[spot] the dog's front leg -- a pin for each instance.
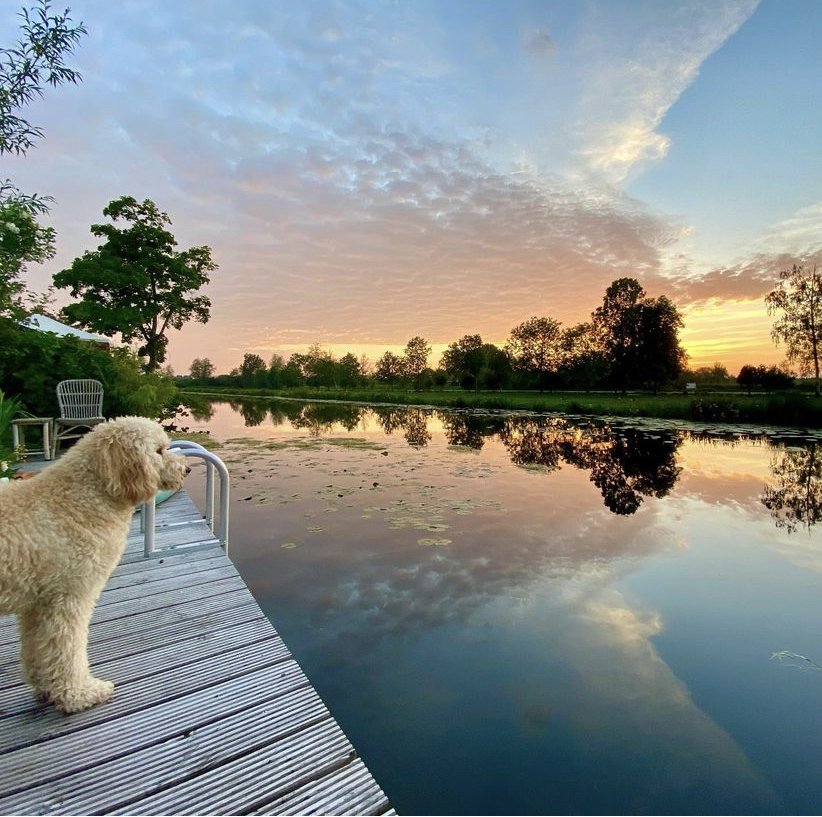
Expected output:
(27, 623)
(55, 654)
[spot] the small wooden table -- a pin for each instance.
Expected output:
(21, 422)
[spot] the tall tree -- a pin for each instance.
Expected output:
(659, 358)
(638, 336)
(463, 360)
(320, 367)
(275, 371)
(136, 283)
(389, 368)
(616, 326)
(750, 376)
(350, 372)
(797, 301)
(415, 359)
(292, 374)
(251, 368)
(535, 346)
(201, 368)
(583, 363)
(496, 368)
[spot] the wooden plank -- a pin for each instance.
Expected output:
(349, 790)
(137, 555)
(133, 667)
(70, 753)
(251, 780)
(167, 584)
(164, 569)
(138, 624)
(130, 607)
(140, 639)
(114, 784)
(41, 722)
(150, 564)
(172, 537)
(171, 581)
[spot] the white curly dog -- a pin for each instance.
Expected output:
(61, 534)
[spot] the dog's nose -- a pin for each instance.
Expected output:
(188, 469)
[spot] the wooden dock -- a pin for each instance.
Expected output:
(211, 714)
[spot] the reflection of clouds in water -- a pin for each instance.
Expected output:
(370, 564)
(626, 700)
(560, 530)
(521, 613)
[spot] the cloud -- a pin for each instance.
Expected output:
(746, 280)
(792, 241)
(633, 68)
(798, 233)
(352, 172)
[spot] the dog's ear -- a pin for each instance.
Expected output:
(124, 468)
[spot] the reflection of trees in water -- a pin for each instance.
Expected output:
(795, 500)
(416, 428)
(285, 412)
(469, 430)
(634, 466)
(389, 418)
(624, 465)
(253, 412)
(319, 418)
(201, 409)
(413, 422)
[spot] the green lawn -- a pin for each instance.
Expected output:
(790, 408)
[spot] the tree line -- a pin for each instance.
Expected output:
(630, 342)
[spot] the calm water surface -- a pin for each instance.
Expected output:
(524, 615)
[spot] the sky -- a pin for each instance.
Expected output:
(365, 172)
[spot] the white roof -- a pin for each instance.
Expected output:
(43, 324)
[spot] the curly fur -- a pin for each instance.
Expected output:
(61, 535)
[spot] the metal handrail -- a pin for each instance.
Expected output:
(187, 448)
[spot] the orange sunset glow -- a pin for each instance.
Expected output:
(436, 169)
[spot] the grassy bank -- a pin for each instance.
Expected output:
(789, 408)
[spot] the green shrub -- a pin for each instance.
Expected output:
(33, 363)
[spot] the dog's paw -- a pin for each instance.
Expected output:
(92, 692)
(40, 695)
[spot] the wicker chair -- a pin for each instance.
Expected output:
(81, 408)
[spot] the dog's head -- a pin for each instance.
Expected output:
(131, 459)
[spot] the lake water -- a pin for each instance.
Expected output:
(531, 615)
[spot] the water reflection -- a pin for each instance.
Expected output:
(625, 464)
(470, 430)
(795, 500)
(506, 592)
(413, 422)
(201, 409)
